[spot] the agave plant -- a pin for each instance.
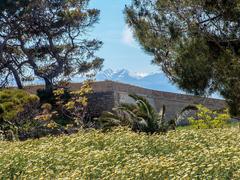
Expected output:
(141, 117)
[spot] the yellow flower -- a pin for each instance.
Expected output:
(70, 105)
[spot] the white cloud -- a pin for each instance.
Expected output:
(127, 37)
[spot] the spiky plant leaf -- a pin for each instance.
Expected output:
(188, 108)
(108, 120)
(143, 105)
(140, 116)
(161, 116)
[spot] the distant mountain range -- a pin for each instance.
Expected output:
(155, 81)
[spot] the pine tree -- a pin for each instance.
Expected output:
(196, 43)
(47, 39)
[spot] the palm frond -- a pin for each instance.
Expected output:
(143, 105)
(143, 101)
(110, 121)
(162, 112)
(141, 116)
(128, 106)
(140, 125)
(161, 116)
(127, 111)
(108, 114)
(181, 113)
(189, 107)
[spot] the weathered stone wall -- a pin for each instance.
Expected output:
(108, 94)
(173, 102)
(99, 102)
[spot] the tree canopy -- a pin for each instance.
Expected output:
(196, 43)
(47, 38)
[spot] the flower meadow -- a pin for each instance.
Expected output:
(123, 154)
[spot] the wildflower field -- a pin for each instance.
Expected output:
(122, 154)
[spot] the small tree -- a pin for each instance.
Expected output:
(75, 107)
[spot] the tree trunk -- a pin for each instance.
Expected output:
(48, 85)
(16, 76)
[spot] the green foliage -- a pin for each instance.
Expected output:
(208, 119)
(12, 5)
(74, 107)
(230, 76)
(13, 102)
(193, 66)
(123, 154)
(17, 110)
(53, 49)
(66, 107)
(140, 117)
(195, 42)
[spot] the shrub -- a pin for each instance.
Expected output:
(66, 113)
(17, 109)
(75, 106)
(15, 103)
(140, 117)
(208, 119)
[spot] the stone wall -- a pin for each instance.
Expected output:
(99, 102)
(173, 102)
(108, 94)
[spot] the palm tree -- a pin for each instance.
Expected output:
(141, 117)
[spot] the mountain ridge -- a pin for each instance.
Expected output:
(154, 81)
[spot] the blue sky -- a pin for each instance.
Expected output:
(120, 50)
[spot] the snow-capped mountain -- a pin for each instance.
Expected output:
(156, 81)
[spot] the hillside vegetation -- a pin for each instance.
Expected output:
(122, 154)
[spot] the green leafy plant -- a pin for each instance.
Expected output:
(140, 117)
(47, 116)
(17, 108)
(208, 119)
(67, 113)
(13, 102)
(75, 107)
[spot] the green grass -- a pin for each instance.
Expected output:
(122, 154)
